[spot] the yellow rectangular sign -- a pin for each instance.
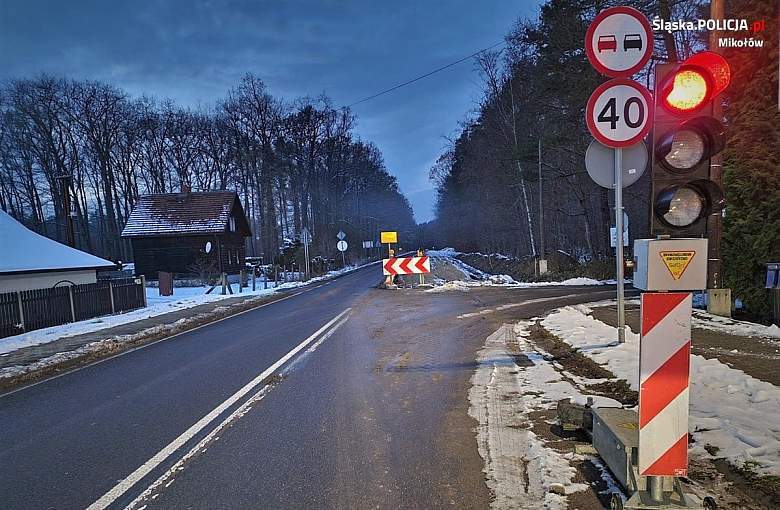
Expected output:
(388, 237)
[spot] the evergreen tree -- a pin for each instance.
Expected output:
(752, 160)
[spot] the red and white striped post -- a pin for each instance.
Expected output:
(664, 367)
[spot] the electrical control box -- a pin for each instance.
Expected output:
(670, 264)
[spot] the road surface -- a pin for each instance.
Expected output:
(370, 411)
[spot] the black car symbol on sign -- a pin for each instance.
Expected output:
(633, 41)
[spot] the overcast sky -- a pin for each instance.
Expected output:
(194, 51)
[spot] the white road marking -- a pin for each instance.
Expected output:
(488, 311)
(149, 344)
(212, 436)
(112, 495)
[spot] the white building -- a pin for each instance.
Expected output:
(32, 261)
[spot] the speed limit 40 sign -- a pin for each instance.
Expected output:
(619, 113)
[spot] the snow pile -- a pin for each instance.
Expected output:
(444, 252)
(444, 286)
(502, 279)
(569, 282)
(519, 469)
(473, 277)
(729, 410)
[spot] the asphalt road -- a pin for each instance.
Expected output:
(372, 414)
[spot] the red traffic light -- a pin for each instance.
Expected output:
(695, 82)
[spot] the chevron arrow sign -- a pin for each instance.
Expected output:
(406, 265)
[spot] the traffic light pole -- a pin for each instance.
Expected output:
(619, 245)
(718, 297)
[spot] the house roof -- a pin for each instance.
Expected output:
(169, 214)
(24, 251)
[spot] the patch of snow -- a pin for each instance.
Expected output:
(444, 252)
(519, 469)
(570, 281)
(729, 409)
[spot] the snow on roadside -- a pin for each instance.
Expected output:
(705, 320)
(729, 410)
(183, 298)
(473, 277)
(501, 396)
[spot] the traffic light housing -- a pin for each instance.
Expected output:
(685, 137)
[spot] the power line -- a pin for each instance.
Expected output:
(396, 87)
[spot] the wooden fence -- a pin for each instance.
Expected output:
(29, 310)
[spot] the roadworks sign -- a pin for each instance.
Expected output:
(388, 237)
(677, 261)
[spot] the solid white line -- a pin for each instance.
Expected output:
(165, 338)
(165, 479)
(109, 497)
(149, 344)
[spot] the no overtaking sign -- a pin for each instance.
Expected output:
(619, 42)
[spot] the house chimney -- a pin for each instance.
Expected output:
(185, 188)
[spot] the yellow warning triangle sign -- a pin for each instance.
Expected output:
(677, 261)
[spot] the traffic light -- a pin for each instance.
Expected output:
(685, 137)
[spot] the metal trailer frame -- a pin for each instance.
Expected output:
(615, 436)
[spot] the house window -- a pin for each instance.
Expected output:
(232, 224)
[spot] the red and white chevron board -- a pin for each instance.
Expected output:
(406, 265)
(664, 366)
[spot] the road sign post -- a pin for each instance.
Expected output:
(389, 237)
(621, 306)
(618, 116)
(306, 239)
(342, 247)
(619, 43)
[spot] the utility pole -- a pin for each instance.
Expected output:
(716, 292)
(542, 260)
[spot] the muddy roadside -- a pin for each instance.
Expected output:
(731, 487)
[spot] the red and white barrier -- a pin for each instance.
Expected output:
(406, 265)
(664, 366)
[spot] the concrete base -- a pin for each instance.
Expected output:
(719, 302)
(542, 266)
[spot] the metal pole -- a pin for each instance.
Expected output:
(619, 245)
(541, 205)
(655, 487)
(716, 171)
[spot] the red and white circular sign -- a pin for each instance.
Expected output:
(619, 112)
(619, 42)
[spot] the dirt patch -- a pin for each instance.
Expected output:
(764, 490)
(617, 389)
(576, 363)
(731, 488)
(445, 270)
(570, 359)
(598, 496)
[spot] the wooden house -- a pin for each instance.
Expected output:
(187, 233)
